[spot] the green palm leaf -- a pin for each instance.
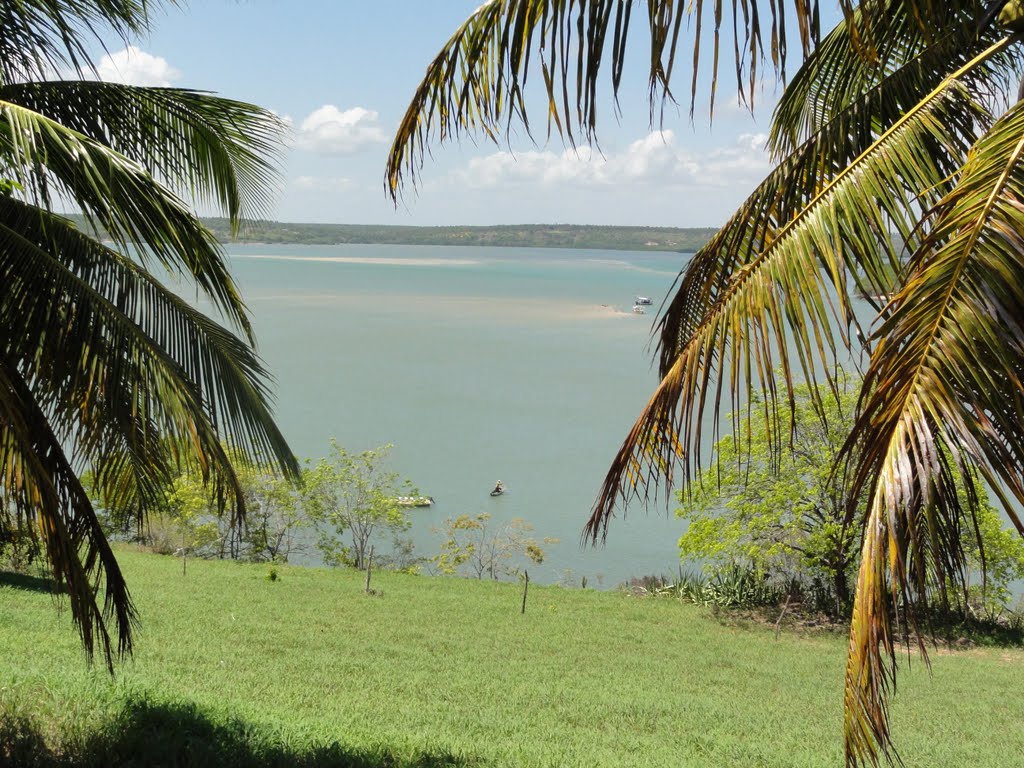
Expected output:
(780, 306)
(102, 368)
(116, 317)
(797, 179)
(119, 195)
(946, 372)
(834, 78)
(211, 149)
(38, 37)
(139, 384)
(39, 482)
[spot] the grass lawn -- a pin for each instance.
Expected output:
(233, 669)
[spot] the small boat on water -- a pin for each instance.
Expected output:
(642, 301)
(414, 501)
(499, 488)
(638, 310)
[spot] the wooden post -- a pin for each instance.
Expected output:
(369, 567)
(526, 586)
(778, 623)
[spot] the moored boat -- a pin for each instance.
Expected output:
(414, 501)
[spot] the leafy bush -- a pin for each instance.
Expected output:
(475, 546)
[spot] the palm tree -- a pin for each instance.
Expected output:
(103, 368)
(898, 149)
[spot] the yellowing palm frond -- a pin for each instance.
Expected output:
(780, 307)
(945, 378)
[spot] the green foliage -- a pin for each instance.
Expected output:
(354, 494)
(475, 546)
(773, 509)
(776, 504)
(992, 568)
(19, 549)
(277, 522)
(189, 520)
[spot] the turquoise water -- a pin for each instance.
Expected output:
(477, 364)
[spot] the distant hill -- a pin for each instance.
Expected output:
(515, 235)
(519, 235)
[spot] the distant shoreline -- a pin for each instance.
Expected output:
(568, 236)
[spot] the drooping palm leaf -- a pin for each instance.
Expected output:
(834, 77)
(136, 382)
(39, 37)
(210, 149)
(797, 178)
(40, 483)
(117, 193)
(835, 133)
(102, 368)
(783, 303)
(945, 377)
(476, 82)
(126, 341)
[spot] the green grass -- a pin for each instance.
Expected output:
(232, 669)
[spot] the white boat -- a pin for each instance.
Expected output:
(638, 310)
(642, 301)
(414, 501)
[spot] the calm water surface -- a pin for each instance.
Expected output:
(477, 364)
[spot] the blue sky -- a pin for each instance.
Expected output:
(342, 74)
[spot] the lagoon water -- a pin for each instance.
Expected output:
(477, 364)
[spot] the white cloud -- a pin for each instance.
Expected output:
(321, 183)
(133, 66)
(656, 159)
(330, 131)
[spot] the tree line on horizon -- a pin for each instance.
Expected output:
(574, 236)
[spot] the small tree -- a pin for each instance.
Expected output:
(189, 519)
(781, 512)
(276, 517)
(354, 494)
(474, 545)
(993, 567)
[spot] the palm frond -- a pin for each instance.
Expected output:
(798, 178)
(38, 481)
(945, 377)
(211, 149)
(119, 196)
(780, 308)
(128, 371)
(38, 37)
(476, 82)
(833, 77)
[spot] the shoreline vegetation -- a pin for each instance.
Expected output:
(239, 667)
(569, 236)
